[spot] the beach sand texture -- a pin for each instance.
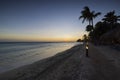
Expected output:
(72, 64)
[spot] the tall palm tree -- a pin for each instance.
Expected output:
(94, 15)
(88, 15)
(85, 14)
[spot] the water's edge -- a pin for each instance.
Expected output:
(28, 53)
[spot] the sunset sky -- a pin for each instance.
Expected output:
(48, 20)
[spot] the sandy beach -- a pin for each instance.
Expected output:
(103, 63)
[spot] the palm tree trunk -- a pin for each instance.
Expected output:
(92, 23)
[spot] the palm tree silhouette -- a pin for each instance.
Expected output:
(85, 14)
(111, 18)
(88, 15)
(94, 15)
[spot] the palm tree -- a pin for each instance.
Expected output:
(85, 37)
(94, 15)
(88, 16)
(111, 18)
(85, 14)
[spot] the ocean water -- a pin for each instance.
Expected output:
(13, 55)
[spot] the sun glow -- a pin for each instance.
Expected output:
(62, 38)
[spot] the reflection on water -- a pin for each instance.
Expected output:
(14, 55)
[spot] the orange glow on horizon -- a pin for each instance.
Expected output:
(37, 38)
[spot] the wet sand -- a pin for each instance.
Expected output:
(71, 64)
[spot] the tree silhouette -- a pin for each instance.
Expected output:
(85, 37)
(103, 31)
(111, 18)
(88, 15)
(94, 15)
(85, 14)
(89, 28)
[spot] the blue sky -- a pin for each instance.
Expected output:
(48, 20)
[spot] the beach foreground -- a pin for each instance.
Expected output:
(103, 63)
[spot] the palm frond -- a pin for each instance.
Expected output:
(96, 14)
(87, 8)
(80, 17)
(83, 20)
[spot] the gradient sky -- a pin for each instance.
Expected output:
(48, 20)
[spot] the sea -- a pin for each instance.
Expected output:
(17, 54)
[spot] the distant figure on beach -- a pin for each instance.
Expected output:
(86, 46)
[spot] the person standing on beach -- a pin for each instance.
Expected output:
(86, 46)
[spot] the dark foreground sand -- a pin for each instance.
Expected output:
(72, 65)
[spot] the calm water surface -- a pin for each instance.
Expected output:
(13, 55)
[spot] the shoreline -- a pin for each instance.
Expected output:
(19, 54)
(72, 64)
(43, 64)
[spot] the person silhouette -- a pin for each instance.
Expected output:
(86, 49)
